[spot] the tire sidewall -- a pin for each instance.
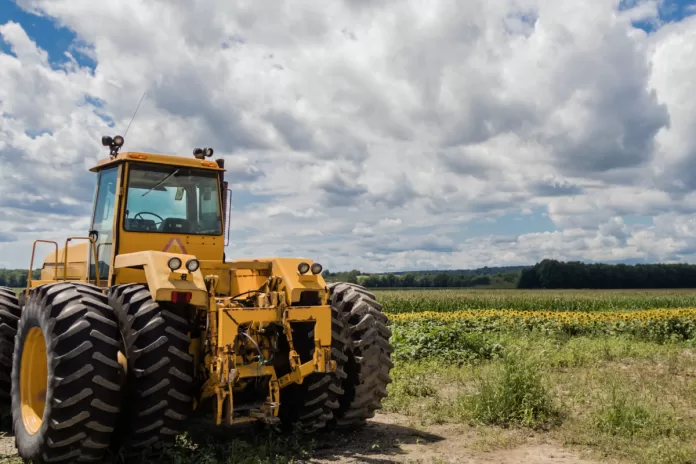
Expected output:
(341, 292)
(33, 315)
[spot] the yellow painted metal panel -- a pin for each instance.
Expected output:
(157, 275)
(156, 158)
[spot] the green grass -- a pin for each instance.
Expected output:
(608, 396)
(243, 445)
(514, 395)
(614, 395)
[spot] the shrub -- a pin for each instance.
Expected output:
(514, 394)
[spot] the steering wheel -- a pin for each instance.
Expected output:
(152, 214)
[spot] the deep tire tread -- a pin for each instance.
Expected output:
(10, 312)
(159, 396)
(82, 404)
(367, 372)
(317, 397)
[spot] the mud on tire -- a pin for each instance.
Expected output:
(366, 372)
(158, 396)
(9, 316)
(78, 362)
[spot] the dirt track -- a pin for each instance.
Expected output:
(388, 438)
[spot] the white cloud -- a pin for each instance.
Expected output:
(389, 222)
(374, 131)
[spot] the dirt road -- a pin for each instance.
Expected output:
(389, 438)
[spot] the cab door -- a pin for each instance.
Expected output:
(102, 228)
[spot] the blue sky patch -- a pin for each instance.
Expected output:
(47, 33)
(668, 11)
(676, 10)
(645, 220)
(513, 224)
(98, 107)
(37, 133)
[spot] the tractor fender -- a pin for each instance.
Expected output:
(161, 280)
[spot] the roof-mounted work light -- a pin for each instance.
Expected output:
(201, 153)
(114, 144)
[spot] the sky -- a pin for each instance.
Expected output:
(380, 136)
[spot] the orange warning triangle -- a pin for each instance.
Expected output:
(174, 245)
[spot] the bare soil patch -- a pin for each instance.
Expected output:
(393, 438)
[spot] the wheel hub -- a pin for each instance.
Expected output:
(33, 380)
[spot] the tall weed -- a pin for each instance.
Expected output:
(514, 394)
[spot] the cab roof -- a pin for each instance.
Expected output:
(169, 160)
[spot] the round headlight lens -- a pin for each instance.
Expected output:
(174, 263)
(303, 268)
(316, 268)
(192, 265)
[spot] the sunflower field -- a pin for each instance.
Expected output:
(468, 324)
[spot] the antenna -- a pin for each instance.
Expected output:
(116, 143)
(134, 113)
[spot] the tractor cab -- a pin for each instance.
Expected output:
(144, 202)
(166, 203)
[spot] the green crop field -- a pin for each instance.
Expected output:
(446, 300)
(607, 375)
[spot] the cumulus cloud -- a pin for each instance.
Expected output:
(368, 134)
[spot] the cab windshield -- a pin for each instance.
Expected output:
(171, 199)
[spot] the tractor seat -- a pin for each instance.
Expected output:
(140, 225)
(176, 225)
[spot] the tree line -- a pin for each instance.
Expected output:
(435, 279)
(15, 278)
(548, 273)
(551, 273)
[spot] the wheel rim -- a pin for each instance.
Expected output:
(33, 379)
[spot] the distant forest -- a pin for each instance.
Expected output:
(545, 274)
(498, 277)
(575, 274)
(548, 273)
(16, 277)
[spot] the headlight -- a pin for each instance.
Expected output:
(303, 268)
(174, 263)
(316, 268)
(192, 265)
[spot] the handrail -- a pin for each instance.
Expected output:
(229, 215)
(96, 258)
(31, 263)
(96, 264)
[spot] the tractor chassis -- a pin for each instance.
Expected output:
(228, 326)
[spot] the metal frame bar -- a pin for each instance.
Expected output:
(229, 215)
(96, 259)
(31, 263)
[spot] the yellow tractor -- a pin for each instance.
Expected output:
(142, 323)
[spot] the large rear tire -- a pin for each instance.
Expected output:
(309, 407)
(9, 317)
(159, 390)
(366, 373)
(65, 375)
